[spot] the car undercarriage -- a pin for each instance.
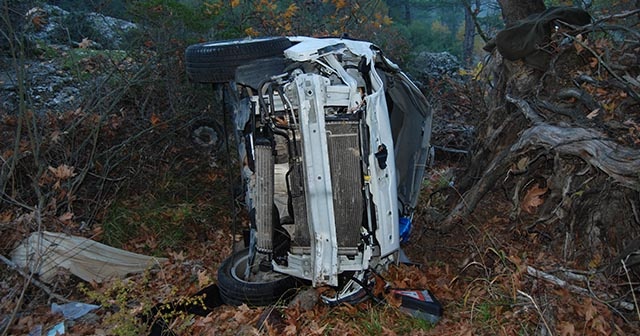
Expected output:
(333, 139)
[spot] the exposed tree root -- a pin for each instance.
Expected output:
(620, 163)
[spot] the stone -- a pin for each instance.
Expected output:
(428, 66)
(52, 25)
(306, 299)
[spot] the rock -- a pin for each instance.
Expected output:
(429, 66)
(112, 31)
(305, 299)
(46, 86)
(46, 24)
(52, 25)
(50, 33)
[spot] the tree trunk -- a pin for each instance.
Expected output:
(514, 10)
(469, 33)
(547, 129)
(407, 11)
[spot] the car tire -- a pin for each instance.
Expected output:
(255, 73)
(234, 290)
(208, 134)
(216, 62)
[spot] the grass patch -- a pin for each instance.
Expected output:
(73, 56)
(373, 319)
(86, 63)
(163, 224)
(168, 213)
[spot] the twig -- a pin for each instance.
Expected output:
(617, 16)
(556, 281)
(633, 294)
(452, 150)
(35, 282)
(604, 64)
(18, 304)
(537, 309)
(576, 275)
(29, 280)
(635, 211)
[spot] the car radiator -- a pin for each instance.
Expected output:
(343, 142)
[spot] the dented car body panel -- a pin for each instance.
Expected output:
(335, 139)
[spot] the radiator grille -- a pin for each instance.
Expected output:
(264, 197)
(346, 182)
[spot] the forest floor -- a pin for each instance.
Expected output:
(494, 273)
(483, 271)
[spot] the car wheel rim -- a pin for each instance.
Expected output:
(239, 269)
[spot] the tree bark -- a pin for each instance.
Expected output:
(469, 33)
(514, 10)
(407, 11)
(544, 128)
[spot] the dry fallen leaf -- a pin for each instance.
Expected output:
(62, 172)
(6, 216)
(596, 261)
(393, 299)
(522, 163)
(590, 311)
(533, 199)
(243, 314)
(39, 22)
(66, 217)
(577, 45)
(593, 114)
(86, 43)
(567, 329)
(290, 329)
(56, 136)
(177, 256)
(203, 279)
(155, 119)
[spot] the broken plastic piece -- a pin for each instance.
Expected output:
(381, 156)
(58, 329)
(405, 229)
(73, 310)
(419, 304)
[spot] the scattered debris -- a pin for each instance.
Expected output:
(58, 329)
(73, 310)
(44, 252)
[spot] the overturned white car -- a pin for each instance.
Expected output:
(334, 141)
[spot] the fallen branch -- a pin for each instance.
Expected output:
(573, 288)
(33, 281)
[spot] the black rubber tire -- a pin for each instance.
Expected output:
(216, 62)
(254, 73)
(236, 291)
